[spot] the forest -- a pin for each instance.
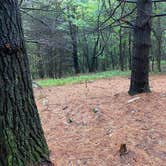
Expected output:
(82, 82)
(69, 37)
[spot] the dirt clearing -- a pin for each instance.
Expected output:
(85, 124)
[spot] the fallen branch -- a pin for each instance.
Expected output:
(134, 99)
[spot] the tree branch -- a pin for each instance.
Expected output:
(159, 15)
(45, 10)
(40, 9)
(21, 1)
(39, 20)
(135, 1)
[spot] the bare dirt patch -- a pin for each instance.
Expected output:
(85, 124)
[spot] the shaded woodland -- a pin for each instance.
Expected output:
(80, 36)
(58, 38)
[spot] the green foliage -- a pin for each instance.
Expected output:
(96, 24)
(81, 78)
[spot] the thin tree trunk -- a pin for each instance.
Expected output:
(86, 51)
(142, 42)
(22, 141)
(124, 56)
(50, 64)
(40, 66)
(130, 51)
(94, 59)
(158, 58)
(73, 34)
(121, 59)
(112, 61)
(60, 53)
(158, 35)
(153, 64)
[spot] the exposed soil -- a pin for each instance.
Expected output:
(86, 124)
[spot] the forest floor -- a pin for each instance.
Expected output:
(85, 124)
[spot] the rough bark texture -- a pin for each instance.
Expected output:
(22, 141)
(73, 34)
(142, 42)
(94, 58)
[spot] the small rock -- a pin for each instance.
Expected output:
(134, 111)
(45, 102)
(70, 120)
(163, 95)
(109, 133)
(95, 110)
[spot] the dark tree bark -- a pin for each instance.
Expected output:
(159, 55)
(124, 55)
(152, 64)
(142, 42)
(22, 141)
(50, 63)
(112, 61)
(130, 51)
(121, 56)
(73, 33)
(96, 52)
(86, 51)
(60, 62)
(158, 35)
(40, 64)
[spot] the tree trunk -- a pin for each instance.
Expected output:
(112, 61)
(94, 64)
(86, 51)
(158, 35)
(124, 56)
(158, 58)
(40, 67)
(121, 59)
(94, 59)
(142, 42)
(22, 141)
(153, 64)
(73, 34)
(73, 31)
(50, 63)
(61, 54)
(130, 51)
